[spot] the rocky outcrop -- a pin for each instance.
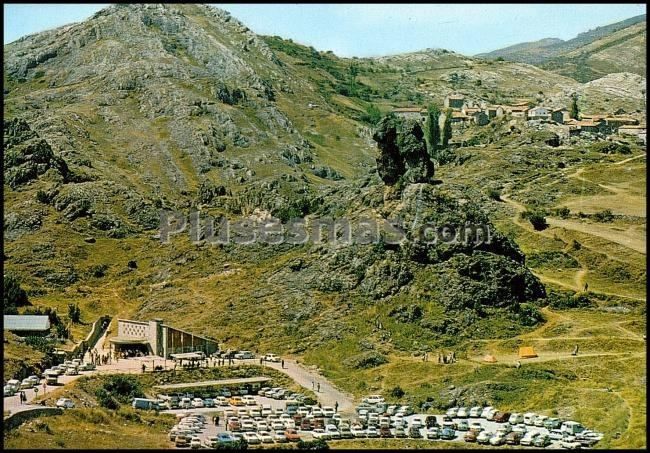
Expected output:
(403, 153)
(27, 156)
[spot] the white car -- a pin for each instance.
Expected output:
(417, 422)
(515, 418)
(452, 412)
(65, 403)
(475, 412)
(333, 432)
(280, 437)
(197, 402)
(26, 384)
(372, 432)
(271, 358)
(262, 425)
(320, 433)
(520, 428)
(486, 411)
(462, 412)
(484, 437)
(71, 371)
(252, 438)
(374, 399)
(248, 425)
(570, 444)
(529, 438)
(539, 421)
(328, 411)
(9, 390)
(266, 437)
(390, 410)
(498, 439)
(195, 442)
(241, 355)
(529, 418)
(35, 379)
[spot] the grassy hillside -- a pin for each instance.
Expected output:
(619, 47)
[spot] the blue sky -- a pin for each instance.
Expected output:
(372, 30)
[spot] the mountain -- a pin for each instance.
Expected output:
(146, 109)
(619, 47)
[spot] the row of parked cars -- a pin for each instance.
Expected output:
(515, 428)
(50, 375)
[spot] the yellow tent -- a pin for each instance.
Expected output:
(489, 358)
(527, 352)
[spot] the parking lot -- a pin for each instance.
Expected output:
(360, 430)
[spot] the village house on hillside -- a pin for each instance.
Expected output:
(27, 325)
(454, 101)
(539, 113)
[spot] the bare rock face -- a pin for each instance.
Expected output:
(403, 153)
(27, 155)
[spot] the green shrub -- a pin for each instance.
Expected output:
(494, 194)
(604, 216)
(536, 218)
(14, 296)
(316, 444)
(397, 392)
(370, 359)
(611, 148)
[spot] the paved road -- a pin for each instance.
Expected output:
(328, 395)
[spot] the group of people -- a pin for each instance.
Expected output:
(23, 397)
(447, 358)
(100, 359)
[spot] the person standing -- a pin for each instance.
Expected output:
(216, 421)
(143, 367)
(336, 406)
(318, 387)
(282, 363)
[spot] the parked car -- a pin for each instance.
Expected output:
(225, 438)
(252, 438)
(358, 431)
(515, 418)
(529, 418)
(485, 411)
(430, 421)
(462, 412)
(271, 358)
(502, 417)
(529, 438)
(319, 433)
(447, 434)
(26, 384)
(197, 402)
(400, 431)
(195, 442)
(452, 412)
(34, 379)
(236, 401)
(65, 403)
(8, 390)
(372, 432)
(542, 440)
(333, 431)
(570, 444)
(505, 428)
(345, 431)
(476, 426)
(279, 437)
(244, 355)
(145, 404)
(328, 411)
(470, 436)
(499, 438)
(475, 412)
(266, 437)
(385, 432)
(462, 425)
(292, 435)
(182, 440)
(540, 420)
(491, 414)
(514, 437)
(552, 423)
(572, 427)
(433, 432)
(374, 399)
(483, 437)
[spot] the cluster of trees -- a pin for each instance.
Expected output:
(14, 296)
(437, 139)
(74, 313)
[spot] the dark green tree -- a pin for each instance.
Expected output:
(446, 129)
(353, 71)
(574, 112)
(433, 130)
(74, 313)
(14, 296)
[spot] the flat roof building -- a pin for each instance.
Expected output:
(154, 337)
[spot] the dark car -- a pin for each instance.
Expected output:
(305, 424)
(447, 418)
(384, 431)
(431, 421)
(414, 432)
(502, 417)
(514, 437)
(470, 436)
(318, 423)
